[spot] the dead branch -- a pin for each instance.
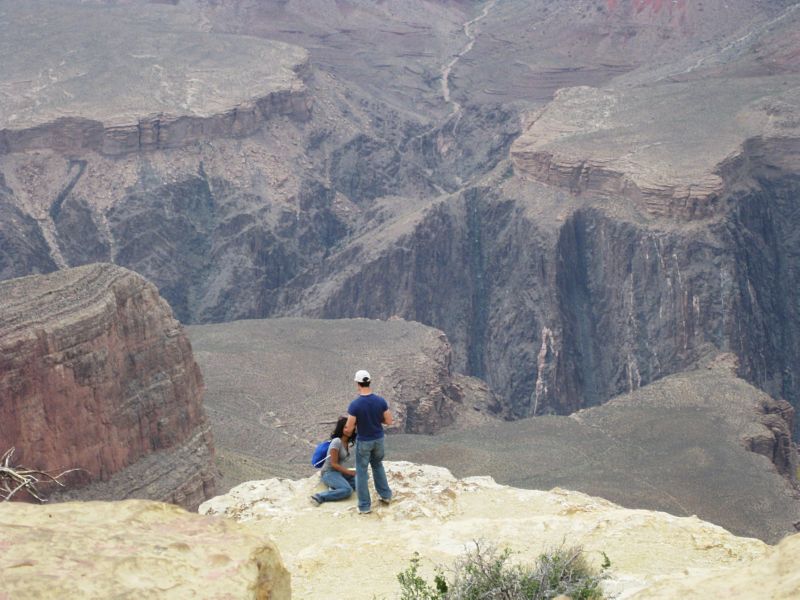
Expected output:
(16, 478)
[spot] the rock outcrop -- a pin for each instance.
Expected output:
(133, 549)
(96, 374)
(771, 576)
(277, 386)
(439, 516)
(606, 143)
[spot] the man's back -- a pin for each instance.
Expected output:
(368, 410)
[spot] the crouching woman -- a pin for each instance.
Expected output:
(336, 472)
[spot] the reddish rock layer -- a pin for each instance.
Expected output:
(96, 373)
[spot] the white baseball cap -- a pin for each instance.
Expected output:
(362, 376)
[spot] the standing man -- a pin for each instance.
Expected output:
(369, 412)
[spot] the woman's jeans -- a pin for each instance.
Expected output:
(341, 486)
(370, 453)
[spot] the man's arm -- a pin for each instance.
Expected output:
(387, 418)
(349, 427)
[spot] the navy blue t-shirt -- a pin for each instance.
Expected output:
(368, 411)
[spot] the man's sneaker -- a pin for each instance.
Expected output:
(364, 512)
(386, 500)
(316, 500)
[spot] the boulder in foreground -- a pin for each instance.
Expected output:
(133, 549)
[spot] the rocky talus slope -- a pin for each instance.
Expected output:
(700, 443)
(275, 387)
(96, 374)
(133, 549)
(652, 554)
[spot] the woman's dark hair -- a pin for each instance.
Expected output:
(338, 431)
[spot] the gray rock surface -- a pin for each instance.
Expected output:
(131, 79)
(702, 443)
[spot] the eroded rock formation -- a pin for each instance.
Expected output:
(614, 205)
(96, 374)
(439, 516)
(209, 86)
(136, 548)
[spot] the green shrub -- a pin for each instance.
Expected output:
(483, 573)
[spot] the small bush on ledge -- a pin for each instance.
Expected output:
(484, 573)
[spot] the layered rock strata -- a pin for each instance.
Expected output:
(645, 222)
(605, 142)
(133, 549)
(277, 386)
(136, 80)
(96, 374)
(439, 516)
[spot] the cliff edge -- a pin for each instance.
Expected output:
(438, 515)
(95, 373)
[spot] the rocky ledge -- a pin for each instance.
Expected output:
(660, 146)
(133, 549)
(437, 515)
(117, 80)
(96, 374)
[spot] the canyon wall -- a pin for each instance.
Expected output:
(577, 222)
(96, 374)
(565, 311)
(74, 136)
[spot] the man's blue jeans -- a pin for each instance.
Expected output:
(370, 453)
(341, 486)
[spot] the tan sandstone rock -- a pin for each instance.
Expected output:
(773, 576)
(133, 549)
(437, 515)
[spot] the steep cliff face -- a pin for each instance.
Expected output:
(233, 85)
(96, 374)
(132, 549)
(563, 301)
